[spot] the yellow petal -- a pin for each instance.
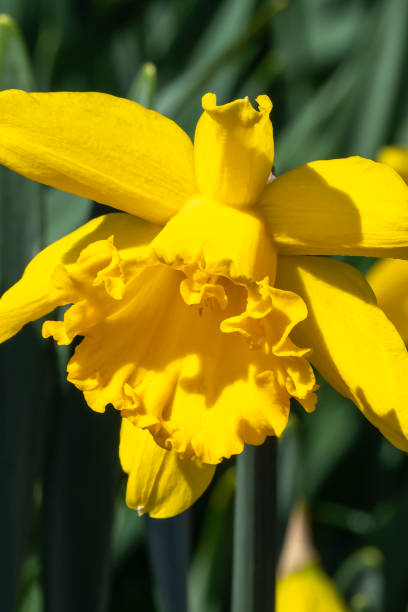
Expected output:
(342, 206)
(308, 590)
(397, 158)
(160, 483)
(192, 343)
(233, 148)
(389, 281)
(100, 147)
(36, 293)
(355, 347)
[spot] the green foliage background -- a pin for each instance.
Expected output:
(337, 73)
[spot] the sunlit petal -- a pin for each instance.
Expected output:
(160, 483)
(397, 158)
(100, 147)
(341, 206)
(355, 347)
(389, 281)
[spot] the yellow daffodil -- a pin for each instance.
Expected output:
(389, 277)
(190, 300)
(309, 589)
(303, 585)
(397, 158)
(389, 281)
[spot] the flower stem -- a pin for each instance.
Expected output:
(253, 580)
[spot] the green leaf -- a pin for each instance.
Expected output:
(63, 213)
(169, 548)
(80, 486)
(329, 433)
(48, 44)
(379, 85)
(255, 546)
(213, 63)
(290, 484)
(143, 88)
(24, 416)
(31, 598)
(209, 574)
(128, 532)
(390, 538)
(24, 363)
(15, 70)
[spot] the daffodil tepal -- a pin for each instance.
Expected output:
(389, 277)
(204, 302)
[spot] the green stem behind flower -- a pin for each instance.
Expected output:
(253, 588)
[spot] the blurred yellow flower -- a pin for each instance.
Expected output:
(389, 281)
(389, 277)
(397, 158)
(302, 585)
(190, 301)
(308, 590)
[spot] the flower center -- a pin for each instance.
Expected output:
(200, 287)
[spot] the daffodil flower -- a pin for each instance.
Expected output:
(389, 281)
(307, 589)
(397, 158)
(302, 583)
(204, 301)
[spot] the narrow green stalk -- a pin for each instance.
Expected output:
(253, 586)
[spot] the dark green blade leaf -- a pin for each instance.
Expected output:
(15, 70)
(63, 213)
(291, 482)
(330, 433)
(23, 408)
(143, 88)
(169, 551)
(210, 571)
(79, 493)
(379, 84)
(23, 362)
